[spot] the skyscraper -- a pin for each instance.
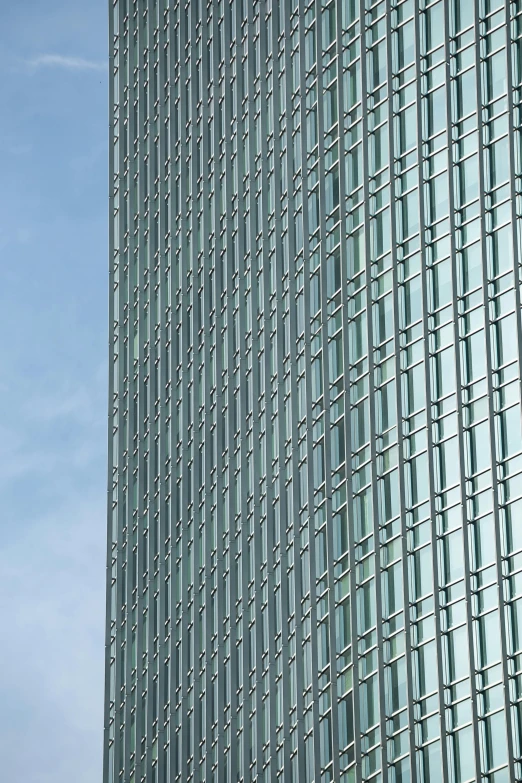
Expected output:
(315, 476)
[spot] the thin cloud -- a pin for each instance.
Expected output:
(67, 63)
(55, 593)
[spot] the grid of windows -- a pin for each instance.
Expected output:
(315, 474)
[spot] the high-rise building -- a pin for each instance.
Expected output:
(315, 476)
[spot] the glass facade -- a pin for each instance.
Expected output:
(315, 453)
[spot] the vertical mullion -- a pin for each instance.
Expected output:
(145, 263)
(278, 134)
(332, 686)
(229, 280)
(256, 388)
(171, 448)
(194, 479)
(324, 350)
(279, 348)
(244, 439)
(398, 396)
(491, 412)
(309, 461)
(198, 476)
(206, 770)
(159, 522)
(512, 187)
(342, 109)
(371, 399)
(185, 345)
(428, 386)
(313, 573)
(136, 425)
(246, 524)
(149, 263)
(219, 512)
(293, 435)
(269, 532)
(458, 382)
(263, 264)
(308, 412)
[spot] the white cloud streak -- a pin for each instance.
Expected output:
(67, 63)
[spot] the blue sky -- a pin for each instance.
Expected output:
(53, 321)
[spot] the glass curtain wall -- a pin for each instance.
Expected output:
(315, 454)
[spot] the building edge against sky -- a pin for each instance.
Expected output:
(315, 451)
